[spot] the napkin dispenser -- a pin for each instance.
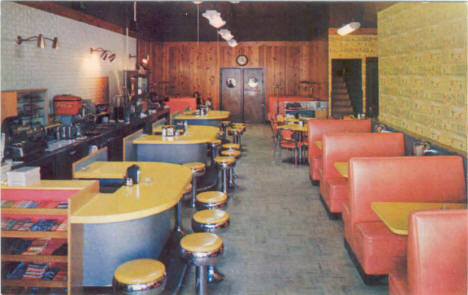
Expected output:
(133, 175)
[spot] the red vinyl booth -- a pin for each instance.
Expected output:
(179, 104)
(340, 147)
(398, 179)
(436, 262)
(316, 128)
(272, 103)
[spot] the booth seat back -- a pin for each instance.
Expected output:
(316, 128)
(437, 252)
(402, 179)
(273, 104)
(341, 147)
(179, 104)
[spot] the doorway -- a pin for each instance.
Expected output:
(242, 92)
(347, 79)
(372, 87)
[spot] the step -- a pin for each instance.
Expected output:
(341, 103)
(340, 96)
(339, 85)
(342, 109)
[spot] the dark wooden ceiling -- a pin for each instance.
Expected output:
(248, 21)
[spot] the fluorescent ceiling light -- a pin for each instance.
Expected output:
(348, 28)
(225, 34)
(232, 43)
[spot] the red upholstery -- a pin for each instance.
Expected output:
(316, 128)
(437, 254)
(399, 179)
(397, 284)
(179, 104)
(272, 104)
(340, 147)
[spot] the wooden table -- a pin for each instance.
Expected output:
(395, 215)
(342, 168)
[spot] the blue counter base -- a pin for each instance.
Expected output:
(107, 245)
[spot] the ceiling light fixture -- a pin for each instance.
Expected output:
(105, 54)
(232, 43)
(348, 28)
(214, 18)
(40, 41)
(225, 34)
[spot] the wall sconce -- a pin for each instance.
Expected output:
(105, 54)
(348, 28)
(40, 41)
(214, 18)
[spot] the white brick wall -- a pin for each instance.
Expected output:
(69, 70)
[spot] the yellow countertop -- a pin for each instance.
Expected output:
(211, 115)
(194, 135)
(161, 187)
(395, 215)
(342, 168)
(54, 185)
(294, 127)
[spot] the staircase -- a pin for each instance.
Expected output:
(341, 104)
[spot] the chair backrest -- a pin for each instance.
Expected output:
(437, 252)
(316, 128)
(286, 134)
(402, 179)
(340, 147)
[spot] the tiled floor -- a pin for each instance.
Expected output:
(280, 240)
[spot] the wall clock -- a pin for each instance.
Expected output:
(242, 60)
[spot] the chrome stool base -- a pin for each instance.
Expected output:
(214, 276)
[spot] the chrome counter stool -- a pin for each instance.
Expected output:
(212, 221)
(231, 146)
(211, 200)
(198, 169)
(140, 276)
(201, 250)
(214, 150)
(225, 163)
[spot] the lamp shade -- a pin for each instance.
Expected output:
(55, 43)
(348, 28)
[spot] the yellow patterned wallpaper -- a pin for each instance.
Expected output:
(423, 71)
(351, 47)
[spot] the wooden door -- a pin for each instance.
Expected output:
(231, 93)
(372, 87)
(254, 95)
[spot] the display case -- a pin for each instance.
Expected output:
(30, 105)
(137, 83)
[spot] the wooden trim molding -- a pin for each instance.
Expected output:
(360, 31)
(76, 15)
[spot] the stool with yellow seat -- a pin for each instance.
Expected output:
(225, 163)
(202, 250)
(231, 153)
(211, 200)
(231, 146)
(198, 169)
(214, 149)
(235, 132)
(224, 125)
(140, 276)
(212, 221)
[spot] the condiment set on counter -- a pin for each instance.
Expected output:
(174, 130)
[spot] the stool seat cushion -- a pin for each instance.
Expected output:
(233, 153)
(225, 122)
(201, 242)
(140, 271)
(211, 197)
(216, 142)
(225, 160)
(195, 166)
(231, 146)
(211, 216)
